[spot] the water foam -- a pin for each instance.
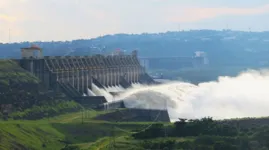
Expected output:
(230, 97)
(102, 92)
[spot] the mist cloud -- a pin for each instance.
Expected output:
(230, 97)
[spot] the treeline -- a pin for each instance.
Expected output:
(203, 134)
(205, 126)
(222, 47)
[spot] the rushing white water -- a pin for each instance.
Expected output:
(120, 88)
(90, 93)
(102, 92)
(246, 95)
(114, 89)
(136, 85)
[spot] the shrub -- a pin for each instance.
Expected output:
(72, 147)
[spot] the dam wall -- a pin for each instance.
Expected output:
(137, 115)
(85, 78)
(111, 105)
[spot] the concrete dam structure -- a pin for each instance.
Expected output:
(85, 78)
(199, 59)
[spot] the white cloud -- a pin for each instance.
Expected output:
(71, 19)
(194, 14)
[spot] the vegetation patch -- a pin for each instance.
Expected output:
(81, 131)
(11, 72)
(47, 111)
(29, 135)
(66, 131)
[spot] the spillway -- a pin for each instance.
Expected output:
(92, 80)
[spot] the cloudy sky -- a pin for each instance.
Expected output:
(47, 20)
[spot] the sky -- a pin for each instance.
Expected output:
(61, 20)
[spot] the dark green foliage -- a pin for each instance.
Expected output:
(208, 135)
(70, 147)
(184, 145)
(22, 95)
(205, 126)
(17, 86)
(217, 142)
(156, 130)
(262, 136)
(210, 143)
(202, 147)
(224, 146)
(247, 124)
(159, 144)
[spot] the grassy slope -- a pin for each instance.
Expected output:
(128, 143)
(29, 135)
(50, 133)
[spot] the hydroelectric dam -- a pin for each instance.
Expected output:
(92, 81)
(81, 77)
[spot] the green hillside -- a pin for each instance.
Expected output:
(81, 131)
(25, 92)
(11, 72)
(56, 132)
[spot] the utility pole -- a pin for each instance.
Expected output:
(114, 140)
(82, 115)
(165, 108)
(9, 35)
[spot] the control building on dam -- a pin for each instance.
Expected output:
(83, 78)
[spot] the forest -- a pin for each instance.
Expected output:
(223, 48)
(205, 134)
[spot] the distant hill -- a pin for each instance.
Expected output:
(222, 47)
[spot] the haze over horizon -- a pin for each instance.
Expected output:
(60, 20)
